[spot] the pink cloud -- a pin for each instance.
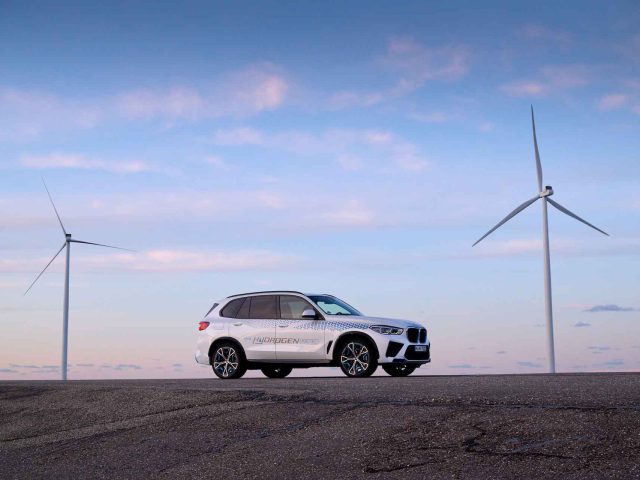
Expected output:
(613, 101)
(241, 93)
(414, 64)
(81, 162)
(344, 146)
(550, 80)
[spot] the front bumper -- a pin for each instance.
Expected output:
(403, 352)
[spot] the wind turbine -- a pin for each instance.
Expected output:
(544, 195)
(68, 240)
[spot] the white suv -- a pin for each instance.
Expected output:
(281, 330)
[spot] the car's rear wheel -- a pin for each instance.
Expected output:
(399, 370)
(228, 361)
(276, 372)
(357, 358)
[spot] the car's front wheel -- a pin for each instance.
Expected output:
(357, 358)
(228, 361)
(399, 370)
(276, 372)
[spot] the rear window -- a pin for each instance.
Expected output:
(263, 306)
(231, 309)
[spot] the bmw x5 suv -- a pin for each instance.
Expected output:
(280, 330)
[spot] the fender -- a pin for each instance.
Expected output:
(226, 339)
(354, 333)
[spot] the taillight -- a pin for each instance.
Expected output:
(203, 326)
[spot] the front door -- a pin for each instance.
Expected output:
(255, 327)
(299, 339)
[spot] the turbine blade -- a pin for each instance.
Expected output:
(571, 214)
(535, 145)
(43, 270)
(101, 245)
(54, 207)
(507, 218)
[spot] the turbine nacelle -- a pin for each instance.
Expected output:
(548, 191)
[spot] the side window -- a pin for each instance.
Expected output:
(291, 307)
(231, 309)
(244, 310)
(263, 306)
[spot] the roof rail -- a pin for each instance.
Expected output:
(265, 291)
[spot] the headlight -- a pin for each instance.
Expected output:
(386, 330)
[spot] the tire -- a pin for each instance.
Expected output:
(276, 372)
(357, 357)
(399, 370)
(227, 361)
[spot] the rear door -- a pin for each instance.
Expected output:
(297, 338)
(254, 327)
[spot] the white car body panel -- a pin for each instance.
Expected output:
(303, 341)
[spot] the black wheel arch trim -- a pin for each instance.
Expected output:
(217, 341)
(354, 333)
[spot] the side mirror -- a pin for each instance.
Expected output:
(309, 313)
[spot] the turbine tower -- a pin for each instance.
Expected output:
(68, 240)
(545, 196)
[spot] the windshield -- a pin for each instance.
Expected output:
(333, 306)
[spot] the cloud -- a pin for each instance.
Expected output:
(501, 352)
(217, 162)
(180, 260)
(435, 117)
(529, 365)
(609, 308)
(168, 260)
(462, 366)
(566, 247)
(81, 162)
(629, 100)
(414, 65)
(86, 365)
(352, 149)
(27, 114)
(549, 80)
(127, 366)
(610, 363)
(354, 214)
(540, 32)
(486, 127)
(598, 349)
(613, 101)
(7, 370)
(242, 93)
(582, 324)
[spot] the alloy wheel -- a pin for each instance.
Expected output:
(355, 358)
(225, 361)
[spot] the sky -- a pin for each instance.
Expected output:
(352, 148)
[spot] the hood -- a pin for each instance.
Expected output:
(392, 322)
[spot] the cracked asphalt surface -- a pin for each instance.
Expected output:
(531, 426)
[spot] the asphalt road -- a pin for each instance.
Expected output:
(534, 426)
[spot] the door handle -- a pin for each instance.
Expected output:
(237, 324)
(284, 326)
